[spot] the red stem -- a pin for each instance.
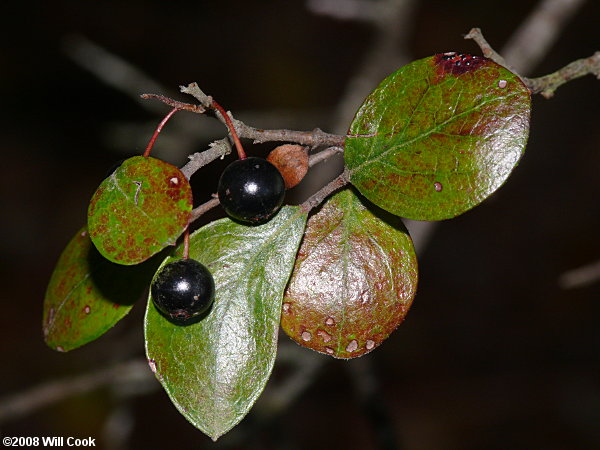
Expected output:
(158, 130)
(229, 123)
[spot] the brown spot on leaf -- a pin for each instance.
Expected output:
(132, 254)
(94, 201)
(108, 246)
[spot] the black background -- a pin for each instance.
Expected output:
(494, 353)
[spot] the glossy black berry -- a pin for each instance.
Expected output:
(183, 289)
(251, 190)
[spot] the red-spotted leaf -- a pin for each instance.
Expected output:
(354, 279)
(438, 136)
(215, 369)
(141, 208)
(88, 294)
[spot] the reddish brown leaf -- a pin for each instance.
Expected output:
(354, 279)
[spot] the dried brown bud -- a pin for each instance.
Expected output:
(292, 161)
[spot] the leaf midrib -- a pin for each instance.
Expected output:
(346, 222)
(244, 276)
(437, 128)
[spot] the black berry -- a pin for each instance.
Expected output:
(251, 190)
(183, 289)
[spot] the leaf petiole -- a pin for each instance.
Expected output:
(158, 130)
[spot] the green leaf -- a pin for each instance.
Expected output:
(438, 136)
(215, 369)
(354, 279)
(141, 208)
(88, 294)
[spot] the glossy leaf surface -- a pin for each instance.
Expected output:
(438, 136)
(87, 294)
(215, 369)
(138, 210)
(354, 279)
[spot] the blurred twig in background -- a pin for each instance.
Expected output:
(392, 22)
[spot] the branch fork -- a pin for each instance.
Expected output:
(547, 84)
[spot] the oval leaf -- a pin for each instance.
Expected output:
(215, 369)
(438, 136)
(354, 279)
(88, 294)
(141, 208)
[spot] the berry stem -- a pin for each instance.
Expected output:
(158, 130)
(229, 123)
(186, 243)
(205, 207)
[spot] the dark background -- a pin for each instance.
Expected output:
(494, 354)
